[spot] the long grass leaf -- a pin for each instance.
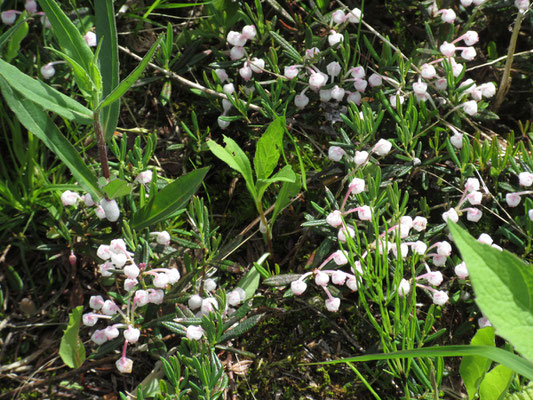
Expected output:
(37, 122)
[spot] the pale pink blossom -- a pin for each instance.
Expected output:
(333, 304)
(194, 332)
(298, 287)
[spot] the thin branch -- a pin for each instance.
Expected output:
(183, 80)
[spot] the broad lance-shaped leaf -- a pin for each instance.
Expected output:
(503, 288)
(518, 364)
(71, 349)
(68, 36)
(286, 174)
(45, 96)
(233, 155)
(474, 368)
(106, 31)
(495, 383)
(127, 83)
(171, 199)
(37, 122)
(268, 149)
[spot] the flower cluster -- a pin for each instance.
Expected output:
(119, 261)
(322, 278)
(106, 209)
(471, 194)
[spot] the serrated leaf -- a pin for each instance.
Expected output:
(500, 278)
(170, 200)
(474, 368)
(71, 349)
(268, 149)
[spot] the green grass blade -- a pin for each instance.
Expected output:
(67, 35)
(106, 31)
(4, 39)
(124, 86)
(37, 122)
(44, 95)
(518, 364)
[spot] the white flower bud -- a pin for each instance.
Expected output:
(194, 302)
(124, 365)
(109, 308)
(404, 288)
(338, 277)
(104, 252)
(236, 39)
(440, 298)
(236, 53)
(354, 97)
(129, 284)
(155, 296)
(210, 285)
(69, 198)
(321, 278)
(249, 32)
(360, 85)
(434, 278)
(354, 16)
(90, 39)
(245, 72)
(222, 123)
(132, 334)
(471, 38)
(448, 16)
(419, 247)
(222, 75)
(475, 198)
(334, 218)
(419, 224)
(333, 304)
(9, 17)
(145, 177)
(382, 147)
(427, 71)
(325, 95)
(333, 68)
(96, 302)
(512, 199)
(461, 271)
(112, 212)
(364, 213)
(360, 157)
(47, 71)
(209, 305)
(99, 337)
(525, 178)
(131, 271)
(337, 93)
(474, 215)
(469, 53)
(317, 80)
(300, 101)
(335, 153)
(141, 298)
(447, 49)
(340, 258)
(451, 215)
(344, 232)
(335, 38)
(194, 332)
(99, 211)
(298, 287)
(89, 319)
(485, 239)
(444, 249)
(351, 283)
(257, 65)
(338, 17)
(291, 72)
